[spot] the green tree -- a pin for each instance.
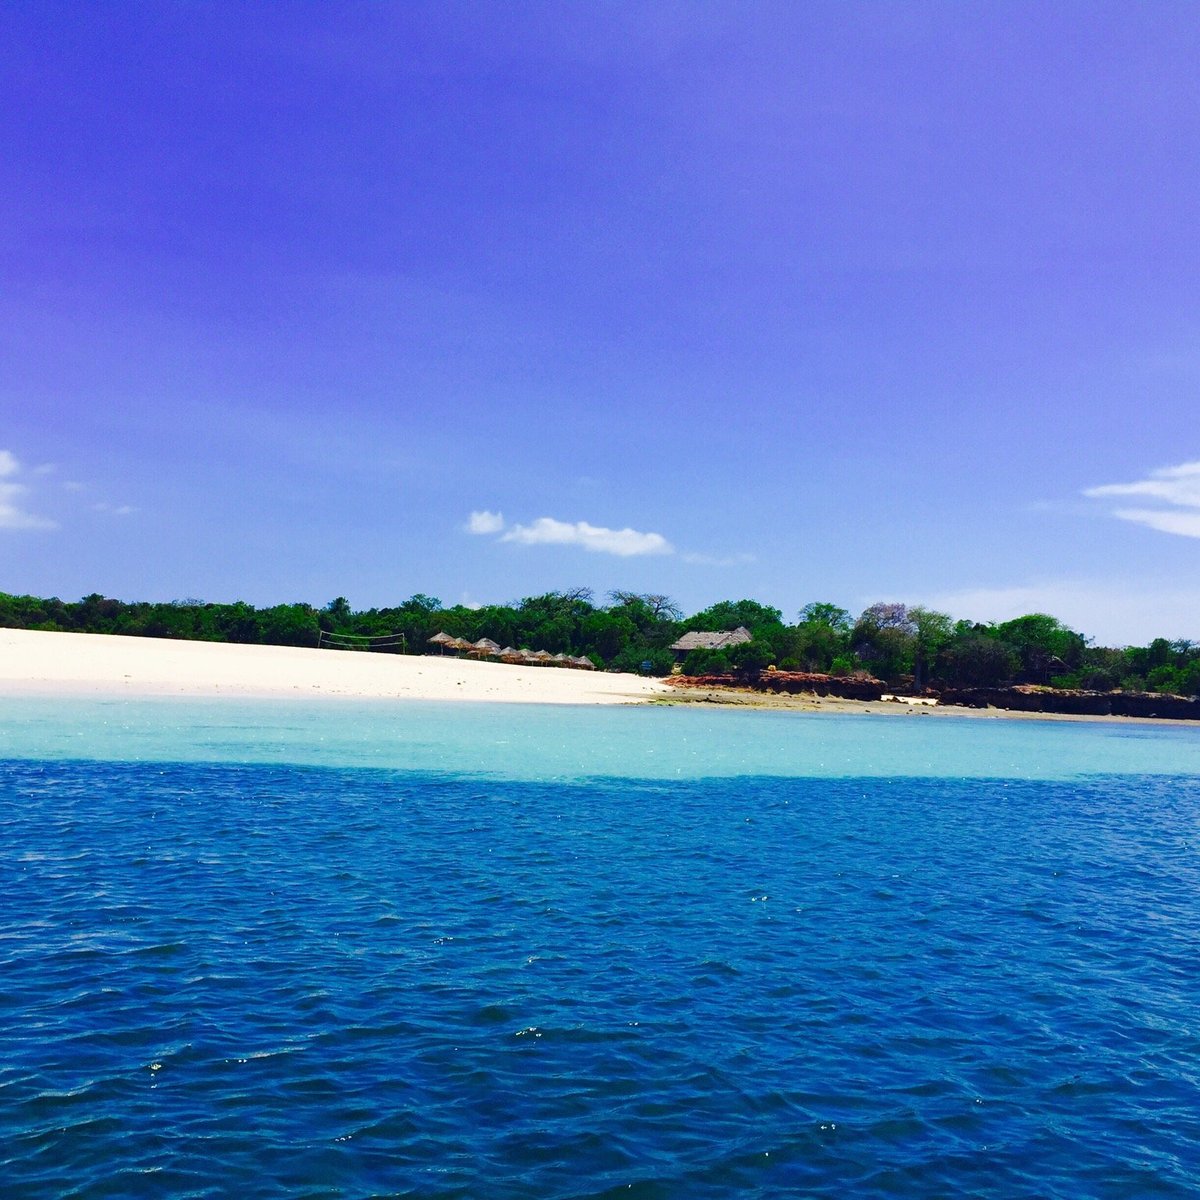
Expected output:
(289, 625)
(648, 609)
(932, 631)
(749, 658)
(607, 632)
(336, 616)
(707, 662)
(820, 613)
(1188, 682)
(884, 639)
(973, 659)
(420, 603)
(1044, 646)
(239, 622)
(732, 614)
(822, 636)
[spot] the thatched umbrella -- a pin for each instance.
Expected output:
(442, 640)
(541, 657)
(459, 644)
(487, 647)
(510, 654)
(584, 663)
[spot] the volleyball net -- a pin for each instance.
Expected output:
(390, 643)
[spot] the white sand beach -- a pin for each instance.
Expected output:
(34, 662)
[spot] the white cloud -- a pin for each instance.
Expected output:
(485, 522)
(1176, 485)
(1178, 489)
(1111, 612)
(625, 543)
(117, 510)
(12, 513)
(1186, 524)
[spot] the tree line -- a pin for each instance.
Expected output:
(633, 632)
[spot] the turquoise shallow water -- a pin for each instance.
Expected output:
(364, 950)
(534, 742)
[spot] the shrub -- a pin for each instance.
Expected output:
(977, 660)
(707, 662)
(750, 657)
(1164, 679)
(1097, 680)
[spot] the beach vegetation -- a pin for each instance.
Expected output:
(972, 658)
(909, 646)
(748, 658)
(1044, 646)
(821, 613)
(884, 640)
(707, 662)
(932, 633)
(821, 636)
(760, 619)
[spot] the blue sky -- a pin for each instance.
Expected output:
(841, 301)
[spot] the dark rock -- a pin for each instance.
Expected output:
(792, 683)
(1074, 702)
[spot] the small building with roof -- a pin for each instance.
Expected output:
(703, 639)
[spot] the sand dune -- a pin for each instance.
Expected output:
(33, 662)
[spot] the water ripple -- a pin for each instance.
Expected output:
(277, 981)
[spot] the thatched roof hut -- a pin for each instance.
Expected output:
(584, 663)
(703, 639)
(441, 638)
(486, 646)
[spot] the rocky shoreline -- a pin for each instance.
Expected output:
(1021, 698)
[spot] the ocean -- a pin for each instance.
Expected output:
(362, 949)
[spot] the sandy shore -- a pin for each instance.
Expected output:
(36, 663)
(33, 662)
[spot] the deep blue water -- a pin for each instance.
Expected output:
(277, 979)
